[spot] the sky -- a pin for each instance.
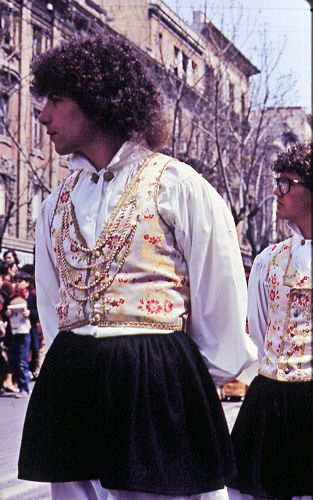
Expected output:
(288, 25)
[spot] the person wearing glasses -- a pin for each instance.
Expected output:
(273, 433)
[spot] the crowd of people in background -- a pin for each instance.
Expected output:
(22, 346)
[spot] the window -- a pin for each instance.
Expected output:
(209, 78)
(36, 130)
(3, 112)
(243, 104)
(194, 72)
(37, 41)
(4, 26)
(185, 66)
(231, 93)
(176, 61)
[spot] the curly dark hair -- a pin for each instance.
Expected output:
(107, 78)
(298, 159)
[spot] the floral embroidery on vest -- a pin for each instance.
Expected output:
(135, 275)
(287, 346)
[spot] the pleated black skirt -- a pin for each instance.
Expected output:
(138, 412)
(273, 439)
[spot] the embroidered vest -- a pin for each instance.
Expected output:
(135, 275)
(288, 339)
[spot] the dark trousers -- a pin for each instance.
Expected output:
(20, 351)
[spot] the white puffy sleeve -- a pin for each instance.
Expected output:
(47, 279)
(206, 235)
(258, 300)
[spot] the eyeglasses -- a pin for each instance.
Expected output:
(284, 184)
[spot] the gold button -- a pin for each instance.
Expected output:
(296, 313)
(94, 177)
(108, 176)
(97, 253)
(97, 274)
(292, 334)
(97, 318)
(287, 371)
(289, 352)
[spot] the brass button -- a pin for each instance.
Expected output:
(97, 253)
(97, 318)
(97, 274)
(292, 334)
(289, 352)
(94, 177)
(108, 176)
(287, 371)
(296, 313)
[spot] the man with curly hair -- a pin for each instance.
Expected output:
(139, 270)
(273, 433)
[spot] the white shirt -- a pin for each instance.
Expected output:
(258, 298)
(205, 234)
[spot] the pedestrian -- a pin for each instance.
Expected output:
(3, 355)
(36, 345)
(20, 311)
(273, 433)
(7, 289)
(11, 257)
(137, 260)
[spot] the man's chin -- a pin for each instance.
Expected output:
(62, 151)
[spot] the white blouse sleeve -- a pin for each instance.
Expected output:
(47, 279)
(258, 300)
(206, 235)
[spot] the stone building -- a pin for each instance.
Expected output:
(199, 70)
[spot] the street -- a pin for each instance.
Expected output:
(12, 412)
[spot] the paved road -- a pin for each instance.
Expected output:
(12, 413)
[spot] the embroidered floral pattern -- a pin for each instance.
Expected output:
(150, 287)
(115, 302)
(147, 214)
(288, 337)
(153, 240)
(154, 306)
(62, 311)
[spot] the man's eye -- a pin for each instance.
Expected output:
(54, 98)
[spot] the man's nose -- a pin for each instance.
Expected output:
(43, 116)
(277, 191)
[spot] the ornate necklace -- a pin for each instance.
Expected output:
(113, 246)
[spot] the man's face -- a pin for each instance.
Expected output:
(293, 205)
(9, 258)
(12, 270)
(69, 128)
(21, 284)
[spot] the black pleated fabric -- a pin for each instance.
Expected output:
(138, 412)
(273, 439)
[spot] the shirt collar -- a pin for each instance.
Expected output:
(295, 228)
(131, 152)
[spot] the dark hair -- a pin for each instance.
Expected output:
(15, 257)
(298, 159)
(21, 275)
(28, 268)
(106, 77)
(4, 266)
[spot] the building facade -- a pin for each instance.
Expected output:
(205, 81)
